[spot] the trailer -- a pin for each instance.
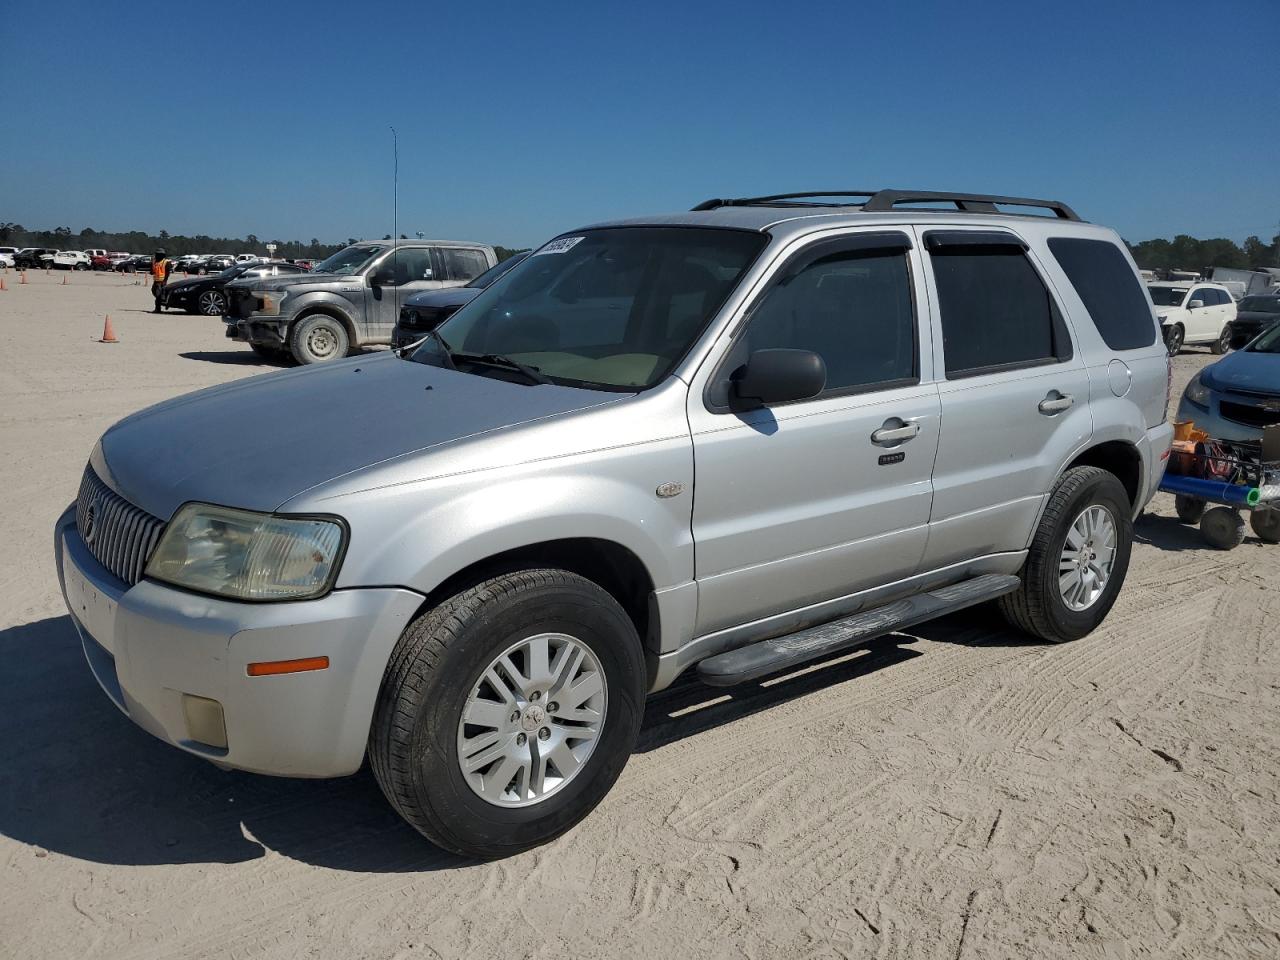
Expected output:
(1236, 477)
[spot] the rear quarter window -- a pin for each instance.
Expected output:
(1109, 290)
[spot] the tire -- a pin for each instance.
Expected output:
(212, 303)
(1222, 528)
(1266, 524)
(439, 668)
(1223, 343)
(1039, 607)
(317, 338)
(1189, 509)
(1174, 338)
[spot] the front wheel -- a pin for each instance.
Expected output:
(212, 303)
(1078, 558)
(1223, 343)
(317, 338)
(508, 711)
(1266, 524)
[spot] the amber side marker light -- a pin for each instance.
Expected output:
(271, 668)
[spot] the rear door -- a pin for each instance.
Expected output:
(1014, 392)
(808, 501)
(463, 264)
(1202, 322)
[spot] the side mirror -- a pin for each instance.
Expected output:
(381, 276)
(1195, 304)
(777, 376)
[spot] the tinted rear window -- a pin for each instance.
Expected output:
(1109, 290)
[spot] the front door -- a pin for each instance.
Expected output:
(392, 280)
(1015, 398)
(813, 500)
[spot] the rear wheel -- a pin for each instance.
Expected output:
(1078, 558)
(1266, 524)
(1223, 343)
(1189, 509)
(317, 338)
(508, 711)
(1173, 338)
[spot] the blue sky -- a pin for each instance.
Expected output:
(517, 121)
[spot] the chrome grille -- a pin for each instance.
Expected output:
(118, 534)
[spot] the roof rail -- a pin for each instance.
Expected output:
(883, 201)
(886, 200)
(782, 199)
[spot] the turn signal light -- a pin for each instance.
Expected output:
(271, 668)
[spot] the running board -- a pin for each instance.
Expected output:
(781, 653)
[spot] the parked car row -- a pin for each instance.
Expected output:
(207, 294)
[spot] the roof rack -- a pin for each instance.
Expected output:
(883, 201)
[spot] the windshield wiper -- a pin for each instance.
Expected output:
(533, 374)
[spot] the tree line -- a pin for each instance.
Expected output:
(1183, 252)
(175, 245)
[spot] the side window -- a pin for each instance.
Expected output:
(1222, 297)
(464, 264)
(996, 312)
(1109, 290)
(853, 308)
(407, 265)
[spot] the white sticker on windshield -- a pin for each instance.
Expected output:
(559, 246)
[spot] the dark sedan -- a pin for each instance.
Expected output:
(1253, 315)
(423, 312)
(205, 294)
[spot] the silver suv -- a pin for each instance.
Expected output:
(350, 300)
(734, 440)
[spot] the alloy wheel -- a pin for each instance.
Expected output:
(1087, 557)
(532, 720)
(213, 303)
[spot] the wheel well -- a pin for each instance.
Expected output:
(609, 565)
(1117, 457)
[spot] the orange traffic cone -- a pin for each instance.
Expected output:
(23, 277)
(64, 279)
(2, 284)
(109, 332)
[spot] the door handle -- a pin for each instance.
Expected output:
(894, 434)
(1055, 403)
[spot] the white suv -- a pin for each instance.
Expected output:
(71, 260)
(1194, 313)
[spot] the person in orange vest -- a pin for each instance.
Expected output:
(159, 274)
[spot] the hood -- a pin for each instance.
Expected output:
(296, 279)
(1244, 371)
(258, 443)
(452, 297)
(1258, 316)
(187, 284)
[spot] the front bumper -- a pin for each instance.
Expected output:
(1212, 421)
(149, 645)
(270, 332)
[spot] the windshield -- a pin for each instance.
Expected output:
(1269, 342)
(1260, 304)
(493, 273)
(1167, 296)
(611, 309)
(348, 261)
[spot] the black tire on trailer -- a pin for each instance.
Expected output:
(1222, 528)
(456, 752)
(1189, 509)
(1266, 524)
(1047, 605)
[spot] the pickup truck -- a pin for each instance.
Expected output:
(348, 301)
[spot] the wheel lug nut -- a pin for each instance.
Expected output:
(552, 707)
(521, 739)
(515, 716)
(544, 734)
(535, 695)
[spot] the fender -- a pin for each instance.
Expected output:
(322, 301)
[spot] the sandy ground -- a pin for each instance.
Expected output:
(956, 792)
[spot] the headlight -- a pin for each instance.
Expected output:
(1197, 392)
(246, 555)
(271, 300)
